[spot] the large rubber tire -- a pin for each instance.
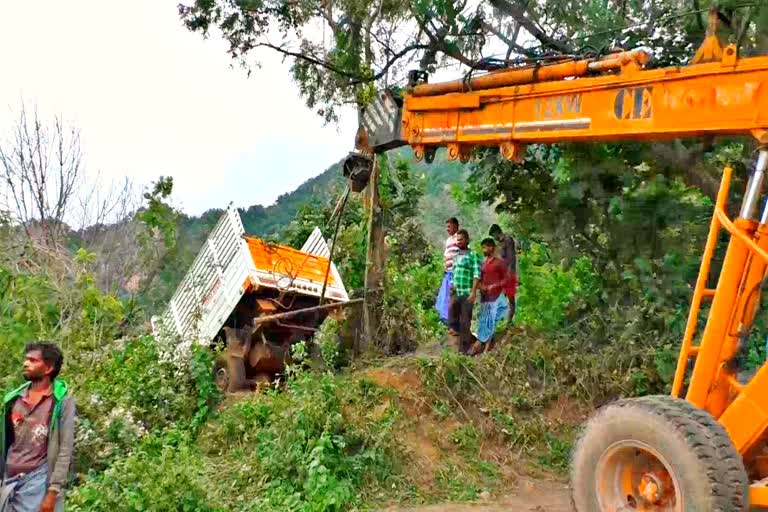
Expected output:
(709, 472)
(221, 374)
(236, 369)
(229, 373)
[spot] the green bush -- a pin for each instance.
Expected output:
(547, 290)
(124, 391)
(316, 446)
(408, 317)
(165, 478)
(27, 311)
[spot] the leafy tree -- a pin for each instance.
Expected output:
(158, 216)
(342, 50)
(158, 241)
(638, 212)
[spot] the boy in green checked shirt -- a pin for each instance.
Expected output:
(464, 285)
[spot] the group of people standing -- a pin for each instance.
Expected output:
(491, 279)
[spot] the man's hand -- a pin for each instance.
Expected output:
(49, 502)
(473, 292)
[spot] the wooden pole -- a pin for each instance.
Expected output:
(374, 268)
(279, 316)
(340, 211)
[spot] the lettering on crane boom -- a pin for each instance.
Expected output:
(634, 103)
(557, 106)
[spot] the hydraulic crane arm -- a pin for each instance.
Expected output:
(609, 99)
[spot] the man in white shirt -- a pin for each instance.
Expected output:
(450, 252)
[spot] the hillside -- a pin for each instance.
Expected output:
(435, 205)
(570, 404)
(613, 247)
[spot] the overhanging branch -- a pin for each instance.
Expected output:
(511, 44)
(354, 79)
(510, 8)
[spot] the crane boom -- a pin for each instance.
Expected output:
(561, 102)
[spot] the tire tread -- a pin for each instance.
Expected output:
(705, 437)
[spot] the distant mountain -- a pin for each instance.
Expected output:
(264, 221)
(437, 205)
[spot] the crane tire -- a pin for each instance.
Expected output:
(695, 459)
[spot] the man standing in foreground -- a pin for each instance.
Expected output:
(451, 249)
(464, 285)
(508, 254)
(37, 435)
(493, 302)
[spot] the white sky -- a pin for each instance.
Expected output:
(152, 98)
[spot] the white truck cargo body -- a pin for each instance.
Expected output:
(223, 271)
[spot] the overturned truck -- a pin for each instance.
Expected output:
(252, 299)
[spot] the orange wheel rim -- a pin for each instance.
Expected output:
(631, 475)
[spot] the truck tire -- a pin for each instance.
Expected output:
(221, 374)
(657, 453)
(236, 370)
(229, 373)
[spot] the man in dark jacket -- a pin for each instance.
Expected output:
(37, 435)
(508, 254)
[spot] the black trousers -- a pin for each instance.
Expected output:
(460, 320)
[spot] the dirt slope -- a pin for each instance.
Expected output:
(426, 437)
(532, 496)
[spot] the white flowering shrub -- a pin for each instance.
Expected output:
(327, 339)
(127, 391)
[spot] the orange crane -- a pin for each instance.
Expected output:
(706, 450)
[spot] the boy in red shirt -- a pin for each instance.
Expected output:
(495, 279)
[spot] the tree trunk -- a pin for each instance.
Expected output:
(375, 260)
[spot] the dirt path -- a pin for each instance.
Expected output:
(532, 496)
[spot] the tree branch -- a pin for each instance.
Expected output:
(437, 42)
(509, 8)
(511, 44)
(327, 14)
(354, 79)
